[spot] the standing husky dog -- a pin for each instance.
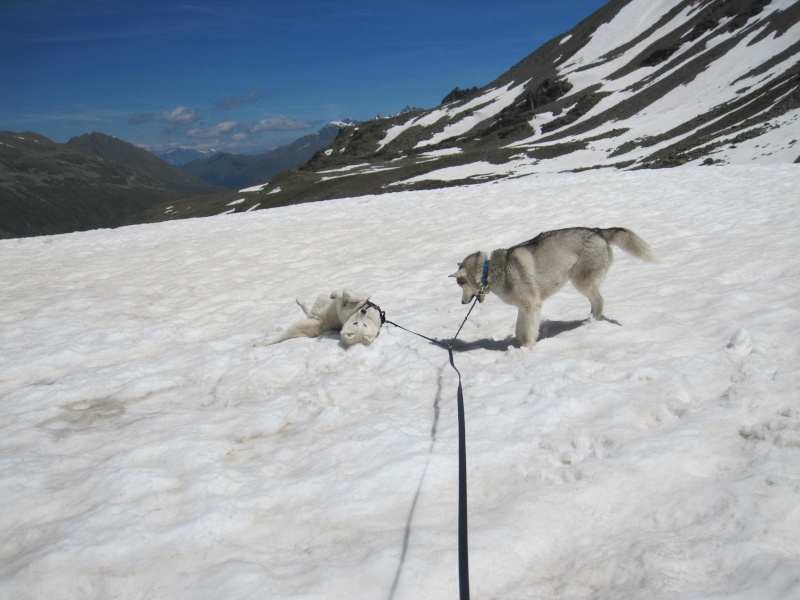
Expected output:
(529, 273)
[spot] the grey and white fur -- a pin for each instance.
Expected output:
(527, 274)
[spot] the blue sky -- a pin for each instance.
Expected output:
(246, 76)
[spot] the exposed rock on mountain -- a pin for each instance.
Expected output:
(459, 94)
(639, 84)
(90, 182)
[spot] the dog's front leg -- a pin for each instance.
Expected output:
(527, 329)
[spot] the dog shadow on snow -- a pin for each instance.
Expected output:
(547, 329)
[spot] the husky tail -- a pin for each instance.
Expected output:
(630, 242)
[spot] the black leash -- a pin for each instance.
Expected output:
(463, 545)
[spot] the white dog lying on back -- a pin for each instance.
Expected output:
(343, 310)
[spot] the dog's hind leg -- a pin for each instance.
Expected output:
(304, 306)
(304, 328)
(589, 286)
(592, 292)
(596, 300)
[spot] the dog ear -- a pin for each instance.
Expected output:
(460, 273)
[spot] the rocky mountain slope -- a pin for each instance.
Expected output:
(639, 84)
(92, 181)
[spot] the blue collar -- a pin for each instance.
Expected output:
(485, 276)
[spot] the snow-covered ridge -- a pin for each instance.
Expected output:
(635, 17)
(732, 71)
(646, 84)
(474, 111)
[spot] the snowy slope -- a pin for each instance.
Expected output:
(465, 116)
(148, 450)
(638, 84)
(596, 69)
(728, 77)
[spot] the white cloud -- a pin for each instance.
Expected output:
(278, 123)
(212, 132)
(180, 116)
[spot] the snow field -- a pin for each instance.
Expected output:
(149, 450)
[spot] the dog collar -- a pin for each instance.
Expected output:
(485, 276)
(367, 305)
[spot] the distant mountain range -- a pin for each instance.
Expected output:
(97, 181)
(180, 156)
(92, 181)
(235, 171)
(638, 84)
